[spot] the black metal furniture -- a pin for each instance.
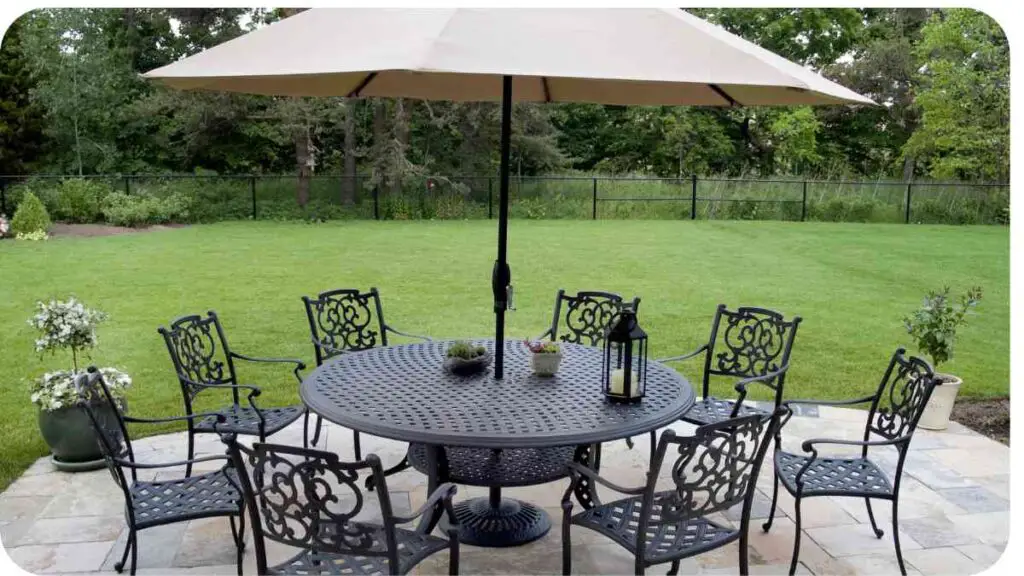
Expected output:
(310, 500)
(403, 393)
(347, 320)
(587, 316)
(203, 361)
(149, 504)
(895, 408)
(712, 471)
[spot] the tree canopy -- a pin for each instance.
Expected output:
(72, 101)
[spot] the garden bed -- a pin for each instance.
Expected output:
(89, 230)
(988, 416)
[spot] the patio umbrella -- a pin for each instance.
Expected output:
(607, 56)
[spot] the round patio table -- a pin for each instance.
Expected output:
(403, 393)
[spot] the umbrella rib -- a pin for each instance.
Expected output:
(362, 85)
(547, 89)
(718, 90)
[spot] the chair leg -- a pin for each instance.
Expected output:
(775, 499)
(355, 444)
(453, 554)
(654, 445)
(238, 533)
(674, 569)
(135, 552)
(638, 568)
(305, 429)
(744, 552)
(316, 432)
(896, 535)
(796, 537)
(871, 516)
(191, 453)
(118, 567)
(566, 537)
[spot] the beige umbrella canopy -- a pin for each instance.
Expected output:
(608, 56)
(647, 56)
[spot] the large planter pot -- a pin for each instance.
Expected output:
(940, 405)
(545, 363)
(69, 434)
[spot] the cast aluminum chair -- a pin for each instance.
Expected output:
(203, 362)
(711, 471)
(588, 314)
(157, 503)
(347, 320)
(895, 408)
(310, 500)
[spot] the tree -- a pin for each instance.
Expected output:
(21, 128)
(964, 99)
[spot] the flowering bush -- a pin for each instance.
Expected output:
(33, 236)
(56, 390)
(5, 226)
(68, 325)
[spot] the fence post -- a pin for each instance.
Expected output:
(906, 215)
(594, 208)
(490, 198)
(693, 197)
(252, 190)
(803, 204)
(127, 185)
(376, 204)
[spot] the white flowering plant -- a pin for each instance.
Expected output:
(69, 325)
(36, 236)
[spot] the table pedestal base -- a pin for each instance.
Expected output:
(509, 523)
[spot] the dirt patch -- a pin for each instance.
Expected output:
(90, 230)
(988, 416)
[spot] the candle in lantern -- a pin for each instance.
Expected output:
(618, 382)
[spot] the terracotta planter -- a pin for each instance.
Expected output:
(545, 363)
(940, 405)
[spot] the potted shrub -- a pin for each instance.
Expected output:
(63, 422)
(933, 327)
(464, 358)
(545, 358)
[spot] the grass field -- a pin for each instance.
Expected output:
(852, 283)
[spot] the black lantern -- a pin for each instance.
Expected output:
(624, 369)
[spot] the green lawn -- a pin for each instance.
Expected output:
(852, 283)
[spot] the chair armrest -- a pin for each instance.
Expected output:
(151, 465)
(443, 494)
(808, 445)
(703, 348)
(407, 335)
(136, 419)
(832, 402)
(577, 471)
(299, 364)
(254, 391)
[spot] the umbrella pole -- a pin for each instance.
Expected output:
(501, 277)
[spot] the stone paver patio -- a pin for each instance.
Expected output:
(954, 514)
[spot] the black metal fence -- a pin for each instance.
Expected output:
(224, 197)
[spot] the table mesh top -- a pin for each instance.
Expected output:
(404, 393)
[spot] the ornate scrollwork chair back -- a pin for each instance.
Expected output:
(199, 352)
(345, 320)
(311, 500)
(108, 425)
(749, 342)
(587, 316)
(901, 399)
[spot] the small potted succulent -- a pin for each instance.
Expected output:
(63, 421)
(465, 358)
(933, 326)
(545, 358)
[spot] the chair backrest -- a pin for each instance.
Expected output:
(713, 470)
(108, 424)
(901, 398)
(200, 354)
(345, 320)
(588, 315)
(749, 342)
(309, 499)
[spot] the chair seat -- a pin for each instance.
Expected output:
(244, 420)
(832, 476)
(665, 541)
(412, 549)
(206, 495)
(506, 468)
(710, 410)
